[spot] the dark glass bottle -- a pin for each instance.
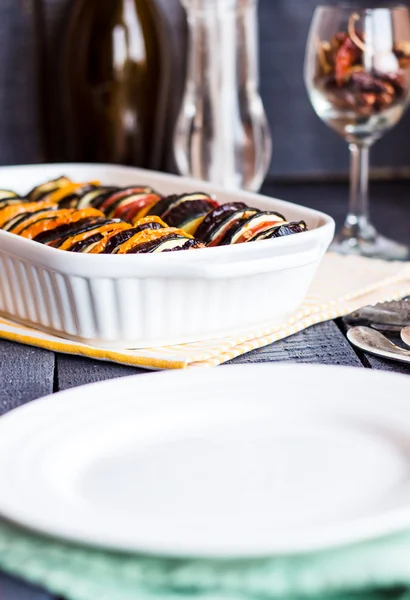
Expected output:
(114, 82)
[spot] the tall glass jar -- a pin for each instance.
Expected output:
(222, 134)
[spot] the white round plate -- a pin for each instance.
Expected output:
(235, 461)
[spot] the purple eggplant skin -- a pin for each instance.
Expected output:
(216, 217)
(39, 191)
(96, 193)
(161, 206)
(164, 206)
(228, 226)
(98, 200)
(12, 200)
(242, 223)
(227, 238)
(91, 239)
(18, 219)
(117, 239)
(73, 199)
(68, 230)
(189, 245)
(122, 236)
(187, 211)
(152, 245)
(281, 231)
(94, 223)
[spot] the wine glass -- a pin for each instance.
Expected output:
(357, 72)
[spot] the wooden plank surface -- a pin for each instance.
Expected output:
(26, 374)
(72, 371)
(324, 343)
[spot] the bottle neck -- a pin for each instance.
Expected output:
(219, 5)
(223, 44)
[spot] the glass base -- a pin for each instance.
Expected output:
(371, 246)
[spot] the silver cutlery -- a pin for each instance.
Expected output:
(376, 343)
(386, 316)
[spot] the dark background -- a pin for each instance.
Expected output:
(303, 146)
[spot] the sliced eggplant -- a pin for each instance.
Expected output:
(188, 245)
(166, 243)
(21, 220)
(42, 190)
(188, 214)
(224, 227)
(57, 235)
(218, 215)
(111, 243)
(147, 236)
(4, 194)
(104, 229)
(160, 207)
(247, 228)
(114, 241)
(71, 193)
(87, 244)
(34, 223)
(12, 201)
(72, 200)
(91, 197)
(9, 213)
(178, 201)
(54, 219)
(287, 228)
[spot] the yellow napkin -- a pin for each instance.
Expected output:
(342, 285)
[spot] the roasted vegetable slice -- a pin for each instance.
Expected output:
(177, 209)
(39, 219)
(159, 207)
(12, 201)
(109, 244)
(286, 228)
(91, 197)
(217, 216)
(147, 236)
(116, 202)
(247, 228)
(216, 234)
(58, 234)
(89, 217)
(188, 211)
(40, 191)
(70, 194)
(167, 243)
(86, 241)
(130, 211)
(7, 194)
(188, 245)
(86, 245)
(52, 220)
(10, 214)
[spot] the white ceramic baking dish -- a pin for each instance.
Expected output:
(146, 300)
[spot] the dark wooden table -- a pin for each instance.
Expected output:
(29, 373)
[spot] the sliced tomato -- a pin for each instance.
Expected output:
(130, 210)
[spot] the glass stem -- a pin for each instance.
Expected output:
(357, 223)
